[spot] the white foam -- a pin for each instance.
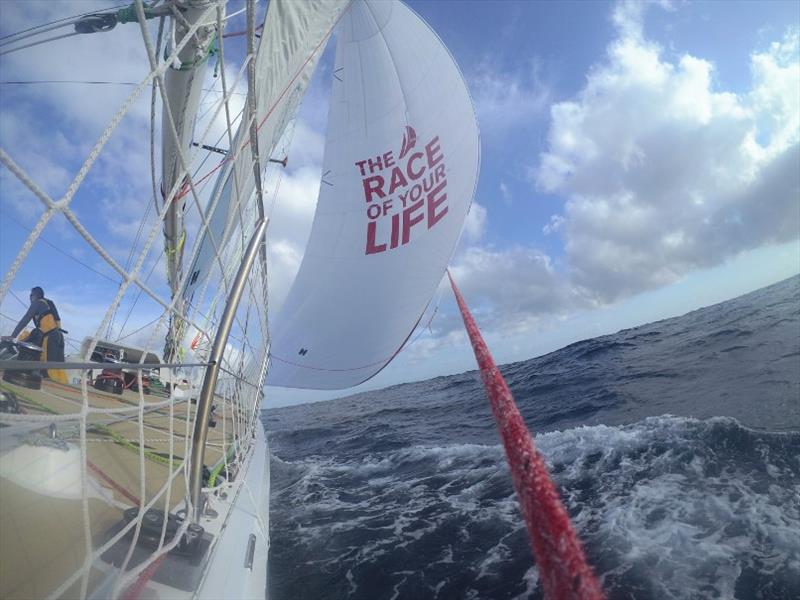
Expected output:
(665, 496)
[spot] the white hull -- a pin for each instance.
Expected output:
(228, 574)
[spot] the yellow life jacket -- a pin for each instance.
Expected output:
(48, 321)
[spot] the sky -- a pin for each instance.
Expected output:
(638, 161)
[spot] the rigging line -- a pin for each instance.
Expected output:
(286, 147)
(135, 331)
(384, 361)
(208, 106)
(226, 101)
(240, 33)
(362, 367)
(207, 156)
(171, 121)
(40, 29)
(97, 82)
(136, 300)
(70, 340)
(128, 263)
(142, 221)
(73, 17)
(53, 28)
(254, 150)
(42, 238)
(235, 14)
(279, 99)
(39, 43)
(159, 41)
(251, 90)
(175, 254)
(18, 300)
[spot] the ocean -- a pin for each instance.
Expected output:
(675, 445)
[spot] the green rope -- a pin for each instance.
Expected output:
(188, 66)
(125, 443)
(122, 441)
(212, 479)
(28, 399)
(128, 14)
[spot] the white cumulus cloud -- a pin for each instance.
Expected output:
(506, 99)
(664, 174)
(510, 289)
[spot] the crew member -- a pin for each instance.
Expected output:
(47, 333)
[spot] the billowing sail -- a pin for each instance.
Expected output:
(292, 42)
(399, 172)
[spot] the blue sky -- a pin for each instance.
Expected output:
(638, 161)
(546, 50)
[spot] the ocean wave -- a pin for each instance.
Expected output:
(405, 492)
(665, 505)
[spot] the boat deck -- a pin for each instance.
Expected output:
(48, 507)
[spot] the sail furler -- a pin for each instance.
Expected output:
(399, 171)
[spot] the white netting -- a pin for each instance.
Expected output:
(89, 445)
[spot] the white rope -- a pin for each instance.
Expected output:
(238, 402)
(184, 170)
(59, 592)
(170, 119)
(87, 525)
(142, 492)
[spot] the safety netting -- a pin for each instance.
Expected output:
(96, 460)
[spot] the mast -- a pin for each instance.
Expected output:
(183, 86)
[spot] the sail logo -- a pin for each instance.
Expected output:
(404, 192)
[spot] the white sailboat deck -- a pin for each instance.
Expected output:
(41, 506)
(88, 476)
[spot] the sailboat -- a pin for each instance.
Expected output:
(149, 478)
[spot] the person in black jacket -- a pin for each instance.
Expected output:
(47, 331)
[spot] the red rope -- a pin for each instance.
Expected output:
(562, 564)
(117, 487)
(137, 587)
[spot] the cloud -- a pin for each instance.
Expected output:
(506, 99)
(510, 290)
(505, 193)
(555, 224)
(475, 223)
(307, 146)
(427, 344)
(49, 129)
(628, 15)
(662, 174)
(118, 55)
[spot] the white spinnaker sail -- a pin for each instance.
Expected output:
(291, 43)
(399, 172)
